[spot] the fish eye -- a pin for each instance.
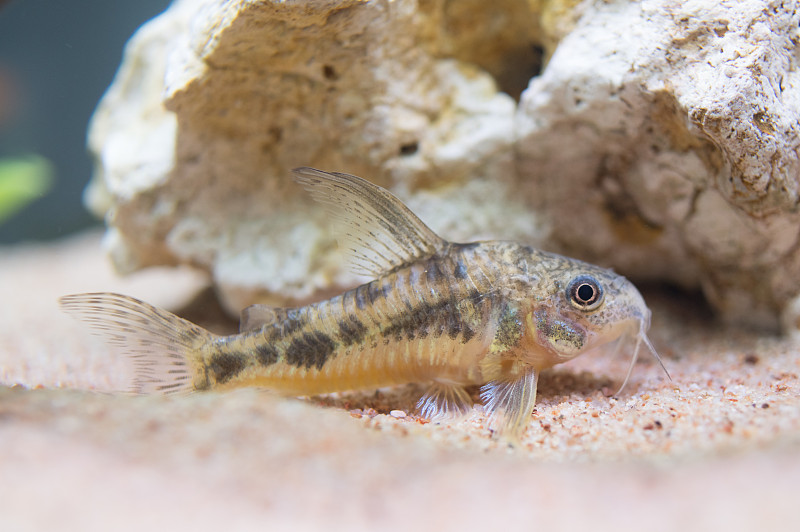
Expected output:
(585, 293)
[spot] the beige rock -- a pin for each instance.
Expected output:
(659, 139)
(662, 139)
(252, 90)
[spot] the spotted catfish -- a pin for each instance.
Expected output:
(492, 313)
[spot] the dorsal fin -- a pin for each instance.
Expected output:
(255, 317)
(382, 233)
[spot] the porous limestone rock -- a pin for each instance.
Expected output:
(235, 94)
(660, 138)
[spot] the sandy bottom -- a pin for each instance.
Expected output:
(718, 446)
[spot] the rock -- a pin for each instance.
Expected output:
(662, 139)
(659, 139)
(251, 90)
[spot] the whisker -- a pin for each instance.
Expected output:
(641, 337)
(655, 354)
(633, 362)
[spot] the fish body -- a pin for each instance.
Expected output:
(493, 314)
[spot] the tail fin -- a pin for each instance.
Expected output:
(164, 349)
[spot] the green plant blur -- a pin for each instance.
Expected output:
(22, 180)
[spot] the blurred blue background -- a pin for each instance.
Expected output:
(56, 60)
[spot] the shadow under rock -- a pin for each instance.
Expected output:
(206, 311)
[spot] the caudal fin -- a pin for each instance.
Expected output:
(164, 349)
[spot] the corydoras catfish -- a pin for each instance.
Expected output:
(491, 313)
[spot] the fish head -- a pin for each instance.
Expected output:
(585, 307)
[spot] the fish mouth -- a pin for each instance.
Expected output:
(638, 329)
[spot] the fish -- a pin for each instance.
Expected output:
(492, 313)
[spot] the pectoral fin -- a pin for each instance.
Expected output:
(509, 402)
(381, 232)
(444, 400)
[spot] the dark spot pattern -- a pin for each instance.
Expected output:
(273, 334)
(402, 327)
(415, 303)
(360, 295)
(467, 332)
(266, 354)
(295, 321)
(438, 318)
(351, 330)
(310, 349)
(460, 270)
(377, 290)
(225, 366)
(454, 323)
(433, 272)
